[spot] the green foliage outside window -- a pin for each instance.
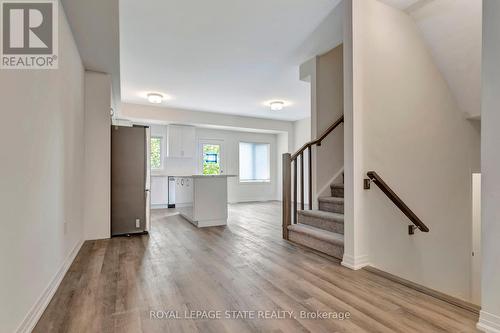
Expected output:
(155, 153)
(211, 167)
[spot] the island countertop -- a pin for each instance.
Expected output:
(206, 176)
(209, 203)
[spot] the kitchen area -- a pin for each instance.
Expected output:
(199, 170)
(199, 194)
(173, 154)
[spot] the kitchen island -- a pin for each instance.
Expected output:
(209, 204)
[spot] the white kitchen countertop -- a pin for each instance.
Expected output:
(206, 176)
(193, 176)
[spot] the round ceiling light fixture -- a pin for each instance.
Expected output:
(277, 105)
(155, 98)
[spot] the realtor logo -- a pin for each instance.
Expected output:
(29, 34)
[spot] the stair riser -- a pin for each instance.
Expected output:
(337, 227)
(333, 250)
(337, 192)
(332, 207)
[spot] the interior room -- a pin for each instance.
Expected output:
(250, 166)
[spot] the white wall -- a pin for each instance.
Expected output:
(355, 230)
(302, 135)
(42, 154)
(490, 166)
(164, 115)
(329, 157)
(284, 144)
(237, 192)
(97, 172)
(242, 192)
(326, 78)
(283, 130)
(96, 28)
(414, 135)
(476, 239)
(452, 30)
(326, 36)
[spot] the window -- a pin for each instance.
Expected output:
(211, 159)
(254, 162)
(156, 155)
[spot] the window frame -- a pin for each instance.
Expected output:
(162, 155)
(255, 181)
(202, 144)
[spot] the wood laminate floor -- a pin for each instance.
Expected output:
(246, 267)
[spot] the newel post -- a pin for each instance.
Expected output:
(287, 193)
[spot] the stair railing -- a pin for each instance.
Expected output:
(417, 223)
(288, 160)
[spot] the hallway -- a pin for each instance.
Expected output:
(114, 285)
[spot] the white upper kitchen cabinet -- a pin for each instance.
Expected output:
(188, 142)
(181, 142)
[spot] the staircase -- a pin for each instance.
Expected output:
(323, 229)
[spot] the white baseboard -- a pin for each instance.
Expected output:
(183, 205)
(165, 206)
(31, 319)
(488, 322)
(355, 263)
(251, 201)
(159, 206)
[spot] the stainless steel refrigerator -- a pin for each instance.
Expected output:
(130, 180)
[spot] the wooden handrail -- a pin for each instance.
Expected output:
(318, 141)
(374, 177)
(289, 211)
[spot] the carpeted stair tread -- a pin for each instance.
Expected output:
(324, 241)
(337, 190)
(332, 222)
(322, 229)
(320, 234)
(331, 204)
(331, 200)
(334, 217)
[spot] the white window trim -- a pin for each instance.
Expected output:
(199, 152)
(255, 181)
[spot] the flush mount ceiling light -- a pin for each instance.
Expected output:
(155, 98)
(277, 105)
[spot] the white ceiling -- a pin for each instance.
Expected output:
(221, 55)
(95, 26)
